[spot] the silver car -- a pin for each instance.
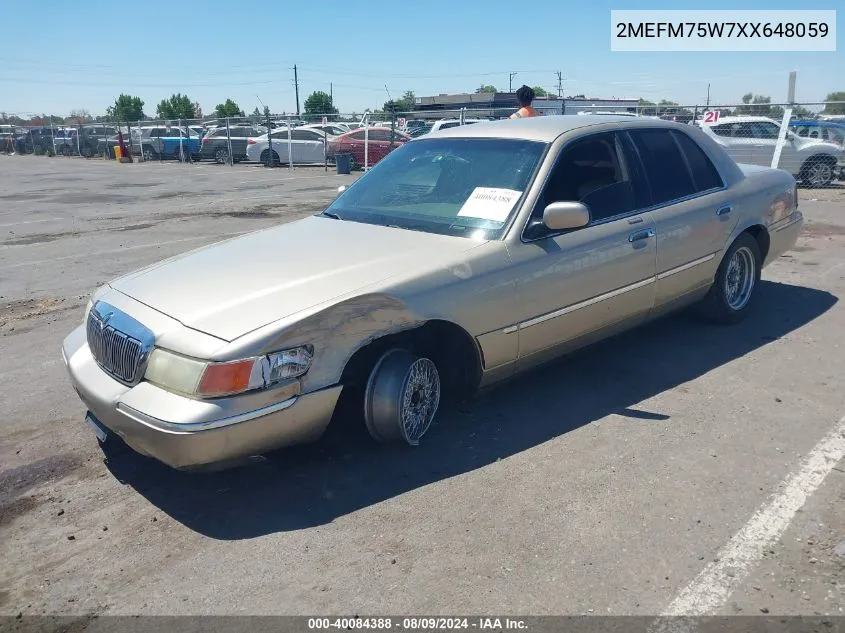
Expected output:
(752, 140)
(460, 260)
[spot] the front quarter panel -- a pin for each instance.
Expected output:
(474, 292)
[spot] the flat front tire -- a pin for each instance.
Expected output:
(401, 398)
(731, 295)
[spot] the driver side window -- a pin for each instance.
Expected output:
(591, 171)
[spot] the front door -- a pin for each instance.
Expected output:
(580, 281)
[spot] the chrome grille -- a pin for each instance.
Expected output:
(117, 352)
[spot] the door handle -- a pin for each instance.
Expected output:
(643, 234)
(724, 210)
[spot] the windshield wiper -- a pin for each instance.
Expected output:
(332, 215)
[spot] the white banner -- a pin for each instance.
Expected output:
(728, 30)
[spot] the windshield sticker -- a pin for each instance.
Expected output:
(490, 203)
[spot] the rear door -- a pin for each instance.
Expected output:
(691, 207)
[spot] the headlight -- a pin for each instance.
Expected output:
(212, 380)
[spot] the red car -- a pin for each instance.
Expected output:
(381, 141)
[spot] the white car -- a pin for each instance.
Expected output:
(445, 124)
(752, 140)
(305, 146)
(332, 129)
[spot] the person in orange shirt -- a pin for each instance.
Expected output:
(524, 96)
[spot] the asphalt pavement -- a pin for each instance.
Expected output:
(678, 468)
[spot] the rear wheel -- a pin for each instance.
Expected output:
(730, 297)
(401, 398)
(221, 155)
(818, 171)
(265, 157)
(149, 153)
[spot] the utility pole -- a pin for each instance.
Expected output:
(331, 93)
(510, 81)
(708, 95)
(296, 86)
(559, 84)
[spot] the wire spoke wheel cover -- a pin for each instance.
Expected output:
(402, 397)
(740, 278)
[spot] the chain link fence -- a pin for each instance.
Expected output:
(802, 138)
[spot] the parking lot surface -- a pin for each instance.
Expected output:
(680, 467)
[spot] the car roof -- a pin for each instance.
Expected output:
(546, 128)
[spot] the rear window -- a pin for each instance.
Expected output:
(665, 166)
(704, 173)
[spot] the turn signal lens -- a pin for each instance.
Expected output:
(222, 379)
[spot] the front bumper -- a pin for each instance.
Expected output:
(186, 433)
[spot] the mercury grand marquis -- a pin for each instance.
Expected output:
(461, 259)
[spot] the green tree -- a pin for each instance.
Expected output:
(178, 106)
(127, 108)
(317, 104)
(485, 88)
(229, 108)
(646, 107)
(539, 92)
(834, 108)
(759, 105)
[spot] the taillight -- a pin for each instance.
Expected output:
(205, 140)
(250, 141)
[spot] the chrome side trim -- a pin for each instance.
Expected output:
(687, 266)
(192, 427)
(510, 329)
(585, 303)
(794, 218)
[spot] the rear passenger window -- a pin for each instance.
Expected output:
(704, 173)
(665, 166)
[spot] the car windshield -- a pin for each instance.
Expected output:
(461, 187)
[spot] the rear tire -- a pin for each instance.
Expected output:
(732, 294)
(221, 156)
(265, 158)
(818, 171)
(401, 398)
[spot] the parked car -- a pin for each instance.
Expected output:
(752, 140)
(305, 146)
(458, 261)
(171, 142)
(90, 136)
(419, 130)
(380, 142)
(332, 129)
(215, 144)
(828, 131)
(64, 141)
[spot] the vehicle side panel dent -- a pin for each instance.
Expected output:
(340, 330)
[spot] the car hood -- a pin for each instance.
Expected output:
(231, 288)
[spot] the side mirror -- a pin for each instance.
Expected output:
(559, 216)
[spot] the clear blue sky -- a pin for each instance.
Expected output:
(62, 57)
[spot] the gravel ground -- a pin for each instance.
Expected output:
(605, 483)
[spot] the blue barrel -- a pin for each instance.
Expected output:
(344, 163)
